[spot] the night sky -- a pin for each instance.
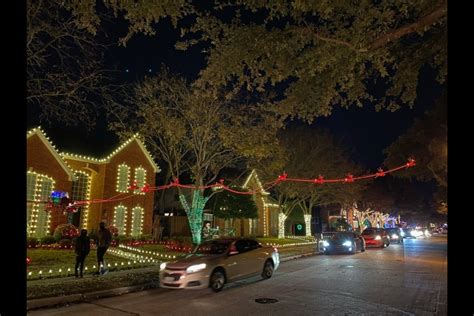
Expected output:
(366, 130)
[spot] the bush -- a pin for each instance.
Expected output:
(146, 237)
(46, 240)
(65, 242)
(113, 230)
(65, 231)
(31, 242)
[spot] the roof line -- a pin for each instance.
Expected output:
(42, 136)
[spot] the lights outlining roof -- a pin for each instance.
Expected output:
(116, 151)
(42, 136)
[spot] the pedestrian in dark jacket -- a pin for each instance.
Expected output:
(82, 249)
(104, 238)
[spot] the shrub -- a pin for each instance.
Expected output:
(113, 230)
(65, 242)
(146, 237)
(46, 240)
(65, 231)
(31, 242)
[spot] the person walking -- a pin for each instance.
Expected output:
(82, 249)
(104, 238)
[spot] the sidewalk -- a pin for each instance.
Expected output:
(147, 277)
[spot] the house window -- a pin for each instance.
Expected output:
(31, 179)
(39, 188)
(253, 225)
(137, 221)
(120, 219)
(123, 177)
(140, 179)
(80, 190)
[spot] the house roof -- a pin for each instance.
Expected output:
(115, 152)
(42, 136)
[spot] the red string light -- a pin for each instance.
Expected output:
(220, 184)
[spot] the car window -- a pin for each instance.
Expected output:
(242, 246)
(253, 244)
(214, 247)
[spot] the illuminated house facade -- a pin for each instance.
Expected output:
(87, 178)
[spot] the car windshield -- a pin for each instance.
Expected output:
(213, 247)
(392, 230)
(338, 236)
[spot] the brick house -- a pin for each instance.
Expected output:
(87, 178)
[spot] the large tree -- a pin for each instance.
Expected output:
(315, 53)
(196, 133)
(427, 142)
(66, 79)
(307, 153)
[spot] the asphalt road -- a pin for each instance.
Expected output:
(409, 279)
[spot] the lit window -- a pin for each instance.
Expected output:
(140, 178)
(137, 221)
(120, 219)
(123, 176)
(39, 188)
(80, 189)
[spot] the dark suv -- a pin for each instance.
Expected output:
(395, 235)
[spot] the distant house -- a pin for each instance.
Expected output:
(267, 222)
(85, 179)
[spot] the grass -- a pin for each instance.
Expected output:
(45, 260)
(283, 241)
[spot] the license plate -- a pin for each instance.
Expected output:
(169, 279)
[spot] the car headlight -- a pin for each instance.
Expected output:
(402, 234)
(394, 236)
(196, 268)
(378, 237)
(347, 243)
(162, 266)
(325, 244)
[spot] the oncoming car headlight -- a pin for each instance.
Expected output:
(196, 268)
(162, 266)
(325, 244)
(378, 237)
(347, 243)
(394, 236)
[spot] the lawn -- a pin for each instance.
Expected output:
(46, 260)
(284, 241)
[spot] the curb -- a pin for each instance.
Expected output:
(77, 298)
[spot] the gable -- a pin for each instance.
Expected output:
(38, 143)
(133, 140)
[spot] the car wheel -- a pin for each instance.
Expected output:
(267, 270)
(217, 281)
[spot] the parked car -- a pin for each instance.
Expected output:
(216, 262)
(375, 237)
(395, 234)
(343, 242)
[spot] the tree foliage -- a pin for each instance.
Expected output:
(229, 205)
(319, 53)
(65, 76)
(308, 153)
(427, 142)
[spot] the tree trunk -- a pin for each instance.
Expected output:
(194, 213)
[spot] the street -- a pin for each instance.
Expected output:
(409, 279)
